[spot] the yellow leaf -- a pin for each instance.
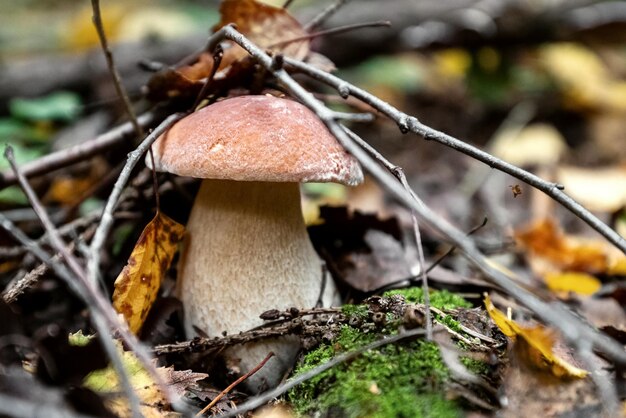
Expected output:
(153, 402)
(80, 32)
(580, 283)
(137, 285)
(540, 341)
(68, 190)
(452, 62)
(584, 80)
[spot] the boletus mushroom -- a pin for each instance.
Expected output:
(248, 250)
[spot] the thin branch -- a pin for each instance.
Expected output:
(399, 173)
(333, 31)
(325, 14)
(218, 54)
(80, 152)
(98, 317)
(283, 388)
(408, 123)
(108, 55)
(557, 315)
(235, 383)
(106, 222)
(121, 91)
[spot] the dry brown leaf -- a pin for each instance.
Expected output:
(266, 26)
(550, 250)
(540, 341)
(137, 285)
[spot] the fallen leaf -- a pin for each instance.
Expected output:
(540, 341)
(153, 402)
(137, 285)
(187, 80)
(598, 189)
(550, 250)
(266, 26)
(583, 78)
(360, 249)
(580, 283)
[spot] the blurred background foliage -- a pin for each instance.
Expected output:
(540, 84)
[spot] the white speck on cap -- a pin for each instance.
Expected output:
(255, 138)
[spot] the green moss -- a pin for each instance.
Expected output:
(450, 322)
(440, 299)
(476, 366)
(358, 311)
(396, 380)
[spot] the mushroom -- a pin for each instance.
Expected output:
(248, 250)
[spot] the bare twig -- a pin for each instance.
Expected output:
(325, 14)
(77, 153)
(97, 21)
(571, 327)
(24, 282)
(98, 316)
(334, 31)
(408, 123)
(121, 92)
(218, 54)
(235, 383)
(283, 388)
(106, 222)
(399, 173)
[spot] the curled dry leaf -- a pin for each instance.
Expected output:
(137, 285)
(540, 343)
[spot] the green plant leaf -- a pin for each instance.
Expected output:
(60, 106)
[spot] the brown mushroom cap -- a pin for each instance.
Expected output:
(255, 138)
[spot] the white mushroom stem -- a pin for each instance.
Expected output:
(249, 251)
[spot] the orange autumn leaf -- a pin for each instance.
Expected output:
(550, 249)
(540, 342)
(137, 285)
(266, 26)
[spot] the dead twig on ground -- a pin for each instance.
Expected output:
(81, 152)
(235, 383)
